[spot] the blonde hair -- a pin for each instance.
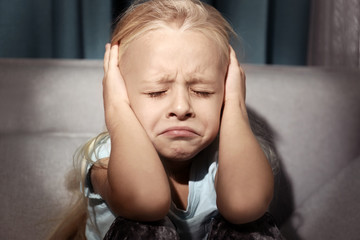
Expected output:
(140, 18)
(184, 15)
(72, 222)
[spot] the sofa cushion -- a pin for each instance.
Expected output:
(51, 96)
(314, 114)
(332, 212)
(32, 176)
(50, 107)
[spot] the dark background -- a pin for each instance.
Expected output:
(271, 31)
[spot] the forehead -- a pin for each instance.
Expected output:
(168, 51)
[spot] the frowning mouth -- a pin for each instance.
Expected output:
(180, 132)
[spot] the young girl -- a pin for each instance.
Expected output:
(179, 159)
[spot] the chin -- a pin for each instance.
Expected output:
(178, 156)
(181, 150)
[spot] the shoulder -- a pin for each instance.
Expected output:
(101, 148)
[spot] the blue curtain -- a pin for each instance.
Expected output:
(270, 31)
(54, 28)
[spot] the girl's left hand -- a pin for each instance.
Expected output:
(244, 180)
(235, 86)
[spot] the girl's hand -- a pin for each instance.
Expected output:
(114, 89)
(235, 86)
(134, 170)
(244, 182)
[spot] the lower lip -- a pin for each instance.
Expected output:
(180, 133)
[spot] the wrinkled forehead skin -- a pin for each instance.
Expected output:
(199, 51)
(223, 47)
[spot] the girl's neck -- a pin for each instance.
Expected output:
(178, 171)
(179, 175)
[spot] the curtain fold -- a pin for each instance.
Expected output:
(24, 30)
(288, 32)
(66, 28)
(335, 33)
(96, 27)
(271, 31)
(54, 28)
(249, 19)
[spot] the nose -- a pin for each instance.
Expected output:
(180, 106)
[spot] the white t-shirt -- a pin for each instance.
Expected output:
(193, 223)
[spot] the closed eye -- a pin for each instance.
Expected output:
(202, 93)
(156, 94)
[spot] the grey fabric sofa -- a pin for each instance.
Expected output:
(48, 108)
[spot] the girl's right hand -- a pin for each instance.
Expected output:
(114, 88)
(135, 170)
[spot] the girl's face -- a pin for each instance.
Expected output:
(175, 84)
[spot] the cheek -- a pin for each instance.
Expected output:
(146, 112)
(210, 114)
(140, 110)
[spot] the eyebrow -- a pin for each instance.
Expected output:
(195, 80)
(200, 80)
(159, 80)
(165, 79)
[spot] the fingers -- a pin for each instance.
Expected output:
(114, 89)
(242, 73)
(111, 57)
(243, 82)
(233, 58)
(234, 66)
(235, 82)
(106, 57)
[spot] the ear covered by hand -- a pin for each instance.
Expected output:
(114, 88)
(235, 82)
